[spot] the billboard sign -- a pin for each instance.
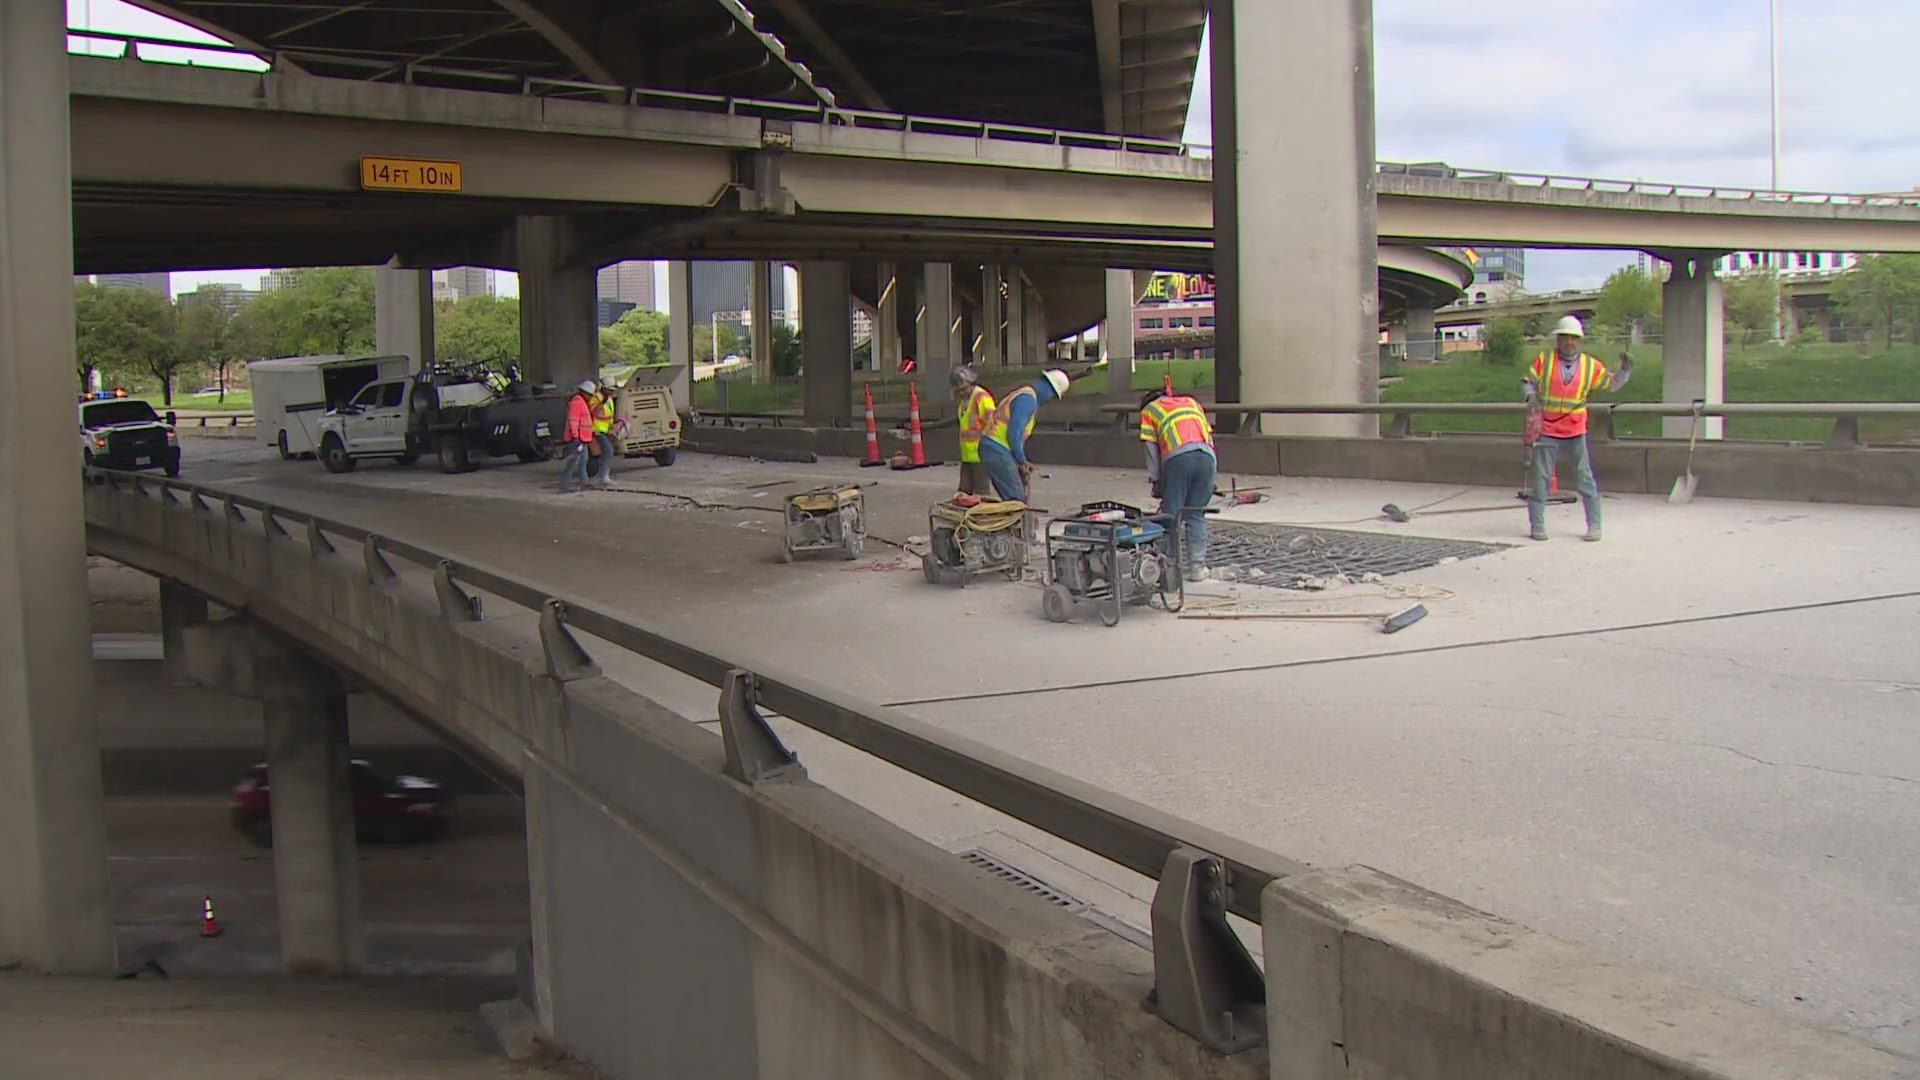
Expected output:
(1178, 288)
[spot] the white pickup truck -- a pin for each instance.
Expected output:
(453, 413)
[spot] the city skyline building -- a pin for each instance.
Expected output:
(161, 282)
(723, 287)
(631, 282)
(463, 282)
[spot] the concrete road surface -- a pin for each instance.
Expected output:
(1693, 745)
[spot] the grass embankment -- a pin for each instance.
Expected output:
(745, 396)
(1764, 373)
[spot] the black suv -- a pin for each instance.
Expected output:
(125, 433)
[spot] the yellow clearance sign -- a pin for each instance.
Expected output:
(409, 174)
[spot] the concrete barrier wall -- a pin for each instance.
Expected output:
(1868, 475)
(1370, 977)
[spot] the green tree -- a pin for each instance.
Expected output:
(479, 330)
(121, 332)
(1880, 290)
(1752, 300)
(1629, 302)
(204, 332)
(326, 310)
(1506, 340)
(786, 350)
(103, 341)
(640, 337)
(731, 343)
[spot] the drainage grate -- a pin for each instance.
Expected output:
(1025, 880)
(1290, 557)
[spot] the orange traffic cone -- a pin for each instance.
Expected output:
(209, 926)
(913, 424)
(873, 435)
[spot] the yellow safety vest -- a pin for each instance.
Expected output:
(974, 416)
(1174, 422)
(1002, 416)
(602, 414)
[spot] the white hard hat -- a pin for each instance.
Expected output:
(1059, 380)
(589, 386)
(1569, 326)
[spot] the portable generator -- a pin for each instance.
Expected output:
(1111, 555)
(830, 518)
(975, 538)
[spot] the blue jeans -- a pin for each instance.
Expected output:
(576, 464)
(605, 439)
(1002, 471)
(1545, 453)
(1186, 487)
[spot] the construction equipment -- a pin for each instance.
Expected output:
(1394, 513)
(968, 536)
(1391, 622)
(1235, 495)
(831, 518)
(1112, 555)
(1684, 485)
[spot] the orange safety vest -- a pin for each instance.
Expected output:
(1563, 403)
(1003, 416)
(1174, 422)
(973, 422)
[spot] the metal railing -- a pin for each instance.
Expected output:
(829, 113)
(1228, 873)
(1846, 416)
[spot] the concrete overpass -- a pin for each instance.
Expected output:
(1807, 293)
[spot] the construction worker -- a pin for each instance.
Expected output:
(1180, 465)
(578, 435)
(1556, 388)
(976, 408)
(602, 404)
(1003, 448)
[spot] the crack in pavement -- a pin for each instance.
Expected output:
(1775, 764)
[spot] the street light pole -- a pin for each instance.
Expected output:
(1773, 47)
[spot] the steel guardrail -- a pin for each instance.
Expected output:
(1132, 834)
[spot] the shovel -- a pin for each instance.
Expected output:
(1684, 485)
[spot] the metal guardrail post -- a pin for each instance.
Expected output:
(270, 525)
(1846, 433)
(456, 604)
(1401, 427)
(754, 751)
(379, 571)
(1204, 981)
(318, 546)
(1606, 432)
(567, 661)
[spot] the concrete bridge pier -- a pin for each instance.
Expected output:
(316, 877)
(991, 352)
(1297, 258)
(1694, 309)
(54, 914)
(403, 314)
(181, 610)
(559, 333)
(826, 319)
(759, 319)
(1116, 337)
(886, 317)
(680, 330)
(1035, 321)
(1014, 307)
(935, 340)
(1414, 330)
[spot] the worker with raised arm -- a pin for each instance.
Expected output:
(1003, 449)
(1556, 388)
(976, 408)
(1180, 465)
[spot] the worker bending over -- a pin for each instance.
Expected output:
(1180, 464)
(1556, 389)
(1003, 449)
(976, 407)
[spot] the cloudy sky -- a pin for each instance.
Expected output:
(1671, 90)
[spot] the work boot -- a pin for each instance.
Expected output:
(1537, 534)
(1198, 573)
(1593, 535)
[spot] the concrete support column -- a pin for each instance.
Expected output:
(992, 351)
(1079, 347)
(1418, 328)
(54, 914)
(559, 325)
(1694, 308)
(403, 314)
(1297, 259)
(316, 878)
(1116, 336)
(886, 318)
(680, 331)
(1034, 321)
(826, 320)
(1016, 313)
(759, 320)
(934, 335)
(181, 609)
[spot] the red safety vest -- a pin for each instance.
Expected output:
(1563, 403)
(1174, 422)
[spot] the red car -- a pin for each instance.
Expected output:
(385, 806)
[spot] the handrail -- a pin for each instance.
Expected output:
(1130, 833)
(830, 113)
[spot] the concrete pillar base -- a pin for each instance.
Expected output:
(680, 331)
(1694, 309)
(181, 609)
(826, 319)
(403, 314)
(559, 325)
